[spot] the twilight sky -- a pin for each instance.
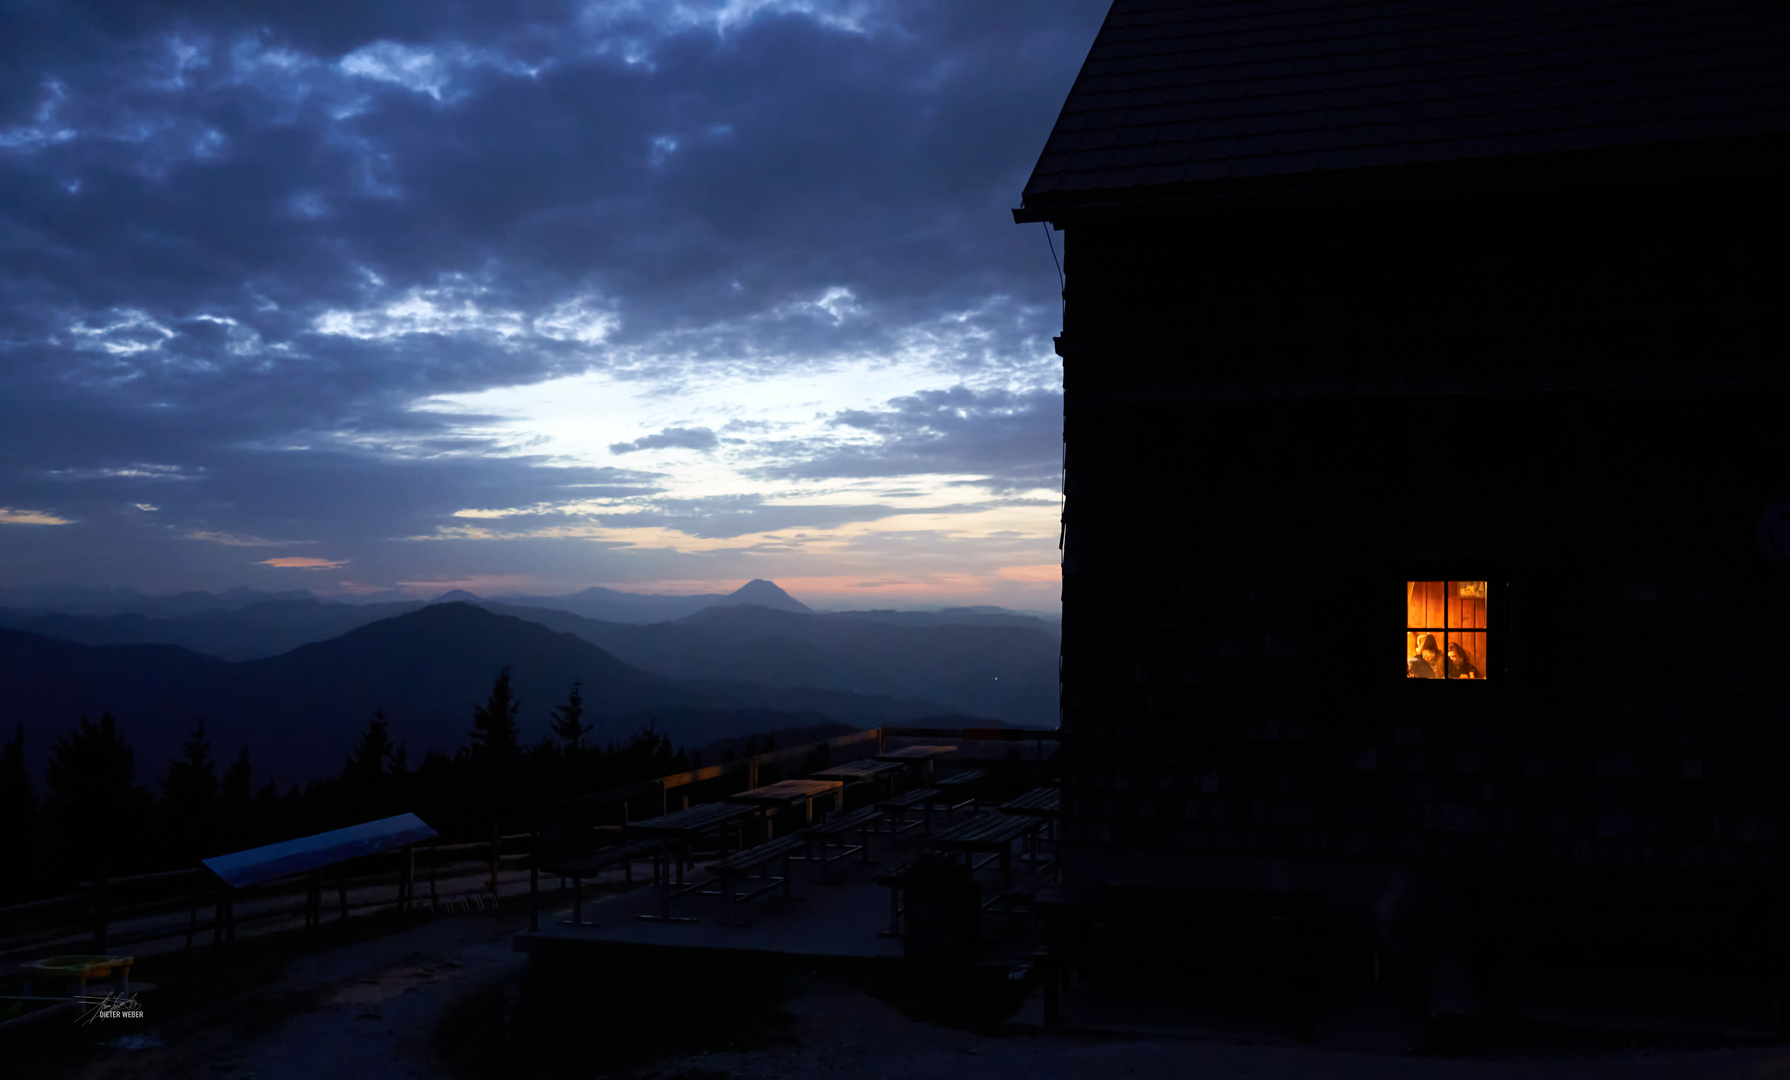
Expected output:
(529, 296)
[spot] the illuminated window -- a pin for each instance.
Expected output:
(1445, 630)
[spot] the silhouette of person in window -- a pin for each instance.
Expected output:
(1460, 663)
(1424, 664)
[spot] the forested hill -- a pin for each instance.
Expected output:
(1001, 667)
(983, 662)
(427, 670)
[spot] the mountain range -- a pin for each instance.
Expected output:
(297, 678)
(610, 605)
(248, 626)
(300, 712)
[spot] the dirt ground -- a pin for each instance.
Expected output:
(449, 999)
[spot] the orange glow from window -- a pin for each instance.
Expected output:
(1445, 629)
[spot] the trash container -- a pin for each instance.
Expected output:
(944, 910)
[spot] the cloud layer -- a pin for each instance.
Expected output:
(621, 277)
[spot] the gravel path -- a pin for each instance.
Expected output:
(844, 1034)
(372, 1009)
(362, 1011)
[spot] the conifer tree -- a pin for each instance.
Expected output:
(567, 725)
(238, 815)
(496, 736)
(367, 778)
(237, 788)
(189, 798)
(372, 754)
(95, 806)
(192, 778)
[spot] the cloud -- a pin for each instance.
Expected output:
(247, 243)
(294, 563)
(669, 438)
(234, 540)
(1009, 441)
(11, 516)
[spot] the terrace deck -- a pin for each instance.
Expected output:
(832, 919)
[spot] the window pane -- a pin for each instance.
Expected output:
(1465, 655)
(1466, 605)
(1423, 654)
(1423, 603)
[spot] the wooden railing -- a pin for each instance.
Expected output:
(94, 918)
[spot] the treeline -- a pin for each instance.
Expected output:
(97, 811)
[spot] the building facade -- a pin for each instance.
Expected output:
(1399, 324)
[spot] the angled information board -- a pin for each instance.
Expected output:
(260, 864)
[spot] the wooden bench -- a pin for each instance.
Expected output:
(1038, 802)
(581, 865)
(833, 831)
(737, 868)
(1044, 802)
(895, 810)
(953, 789)
(990, 834)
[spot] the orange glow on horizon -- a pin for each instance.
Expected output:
(1048, 572)
(473, 583)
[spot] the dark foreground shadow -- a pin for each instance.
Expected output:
(601, 1012)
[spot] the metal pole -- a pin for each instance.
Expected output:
(534, 878)
(493, 889)
(192, 924)
(99, 909)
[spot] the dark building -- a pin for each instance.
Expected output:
(1450, 320)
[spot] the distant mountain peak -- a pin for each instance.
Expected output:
(764, 594)
(458, 595)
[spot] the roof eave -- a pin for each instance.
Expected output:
(1709, 158)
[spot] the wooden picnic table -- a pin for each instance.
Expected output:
(989, 834)
(920, 756)
(854, 771)
(789, 793)
(676, 830)
(1045, 802)
(869, 770)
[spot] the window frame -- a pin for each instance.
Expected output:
(1502, 578)
(1486, 631)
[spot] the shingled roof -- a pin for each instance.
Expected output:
(1185, 96)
